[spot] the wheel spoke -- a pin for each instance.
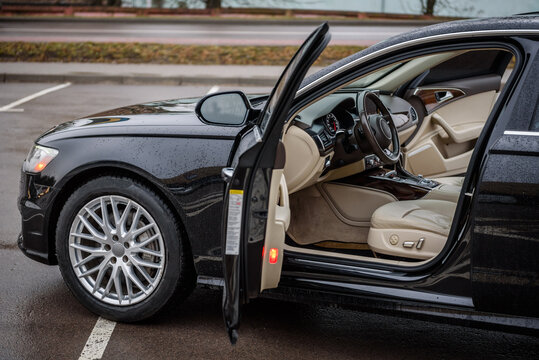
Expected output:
(106, 291)
(118, 284)
(88, 249)
(150, 252)
(143, 272)
(91, 228)
(128, 284)
(88, 258)
(136, 281)
(145, 263)
(115, 213)
(123, 220)
(84, 236)
(147, 241)
(100, 275)
(141, 230)
(95, 217)
(89, 272)
(105, 214)
(136, 219)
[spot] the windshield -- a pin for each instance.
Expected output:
(365, 81)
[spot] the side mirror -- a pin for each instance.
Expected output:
(225, 108)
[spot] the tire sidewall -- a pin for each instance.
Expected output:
(171, 238)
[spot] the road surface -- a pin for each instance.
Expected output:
(39, 318)
(193, 33)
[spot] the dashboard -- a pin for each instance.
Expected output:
(338, 111)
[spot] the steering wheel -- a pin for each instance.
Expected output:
(378, 129)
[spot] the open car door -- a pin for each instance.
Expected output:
(256, 212)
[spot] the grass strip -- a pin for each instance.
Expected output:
(148, 53)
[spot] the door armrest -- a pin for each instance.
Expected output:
(464, 133)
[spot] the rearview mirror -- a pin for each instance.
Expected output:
(225, 108)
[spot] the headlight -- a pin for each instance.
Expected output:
(38, 158)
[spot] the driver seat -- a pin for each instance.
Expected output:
(451, 180)
(416, 229)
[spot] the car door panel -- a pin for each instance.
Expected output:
(257, 187)
(276, 226)
(445, 141)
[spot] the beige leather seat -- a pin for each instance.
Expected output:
(451, 180)
(415, 229)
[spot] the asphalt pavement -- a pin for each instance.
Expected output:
(198, 33)
(39, 318)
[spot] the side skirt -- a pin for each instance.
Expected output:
(299, 290)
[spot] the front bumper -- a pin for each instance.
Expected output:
(34, 203)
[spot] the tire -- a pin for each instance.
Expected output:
(138, 249)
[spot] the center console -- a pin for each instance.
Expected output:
(400, 183)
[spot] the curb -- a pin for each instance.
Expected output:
(137, 80)
(228, 21)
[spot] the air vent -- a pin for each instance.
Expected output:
(412, 114)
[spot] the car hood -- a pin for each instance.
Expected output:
(160, 118)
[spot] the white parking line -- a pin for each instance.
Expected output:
(98, 340)
(213, 89)
(10, 107)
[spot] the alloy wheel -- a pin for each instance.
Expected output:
(116, 250)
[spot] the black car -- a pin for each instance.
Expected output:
(401, 179)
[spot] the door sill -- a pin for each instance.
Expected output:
(353, 257)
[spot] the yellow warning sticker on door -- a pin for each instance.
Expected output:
(233, 226)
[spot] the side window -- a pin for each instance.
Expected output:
(469, 64)
(525, 110)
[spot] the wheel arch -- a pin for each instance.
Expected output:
(84, 174)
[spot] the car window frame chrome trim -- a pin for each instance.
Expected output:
(423, 40)
(521, 133)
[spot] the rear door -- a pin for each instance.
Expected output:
(257, 213)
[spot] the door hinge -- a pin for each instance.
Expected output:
(227, 173)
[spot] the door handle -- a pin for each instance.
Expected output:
(442, 96)
(227, 173)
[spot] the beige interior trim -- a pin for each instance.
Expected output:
(416, 229)
(451, 180)
(344, 171)
(432, 244)
(444, 192)
(431, 162)
(471, 109)
(459, 133)
(341, 245)
(352, 204)
(303, 164)
(405, 134)
(313, 220)
(276, 226)
(445, 141)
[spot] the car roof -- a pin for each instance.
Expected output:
(503, 24)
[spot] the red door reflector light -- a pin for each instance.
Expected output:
(273, 255)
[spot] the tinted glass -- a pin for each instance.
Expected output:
(472, 63)
(228, 109)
